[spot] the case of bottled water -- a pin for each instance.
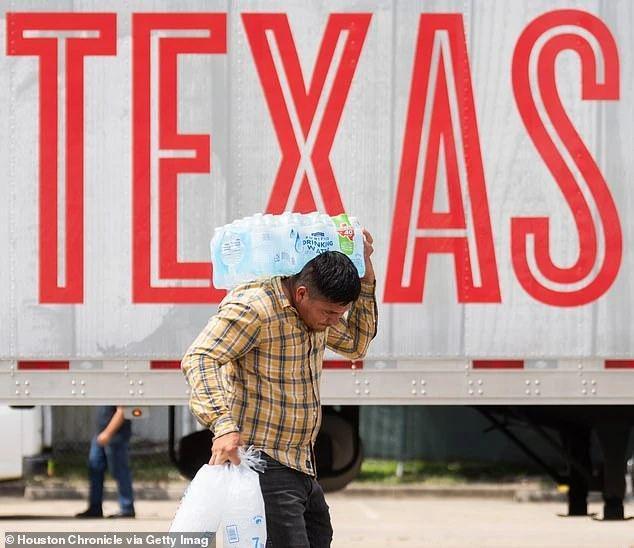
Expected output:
(280, 245)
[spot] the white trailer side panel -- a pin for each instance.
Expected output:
(221, 94)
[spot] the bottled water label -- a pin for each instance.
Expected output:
(285, 258)
(317, 242)
(231, 249)
(297, 240)
(280, 245)
(346, 233)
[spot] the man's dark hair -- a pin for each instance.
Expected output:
(332, 276)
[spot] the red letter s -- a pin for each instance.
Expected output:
(541, 278)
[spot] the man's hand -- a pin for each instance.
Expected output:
(368, 249)
(225, 448)
(103, 438)
(116, 422)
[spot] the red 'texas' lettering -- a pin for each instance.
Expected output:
(48, 33)
(299, 123)
(568, 286)
(440, 75)
(170, 142)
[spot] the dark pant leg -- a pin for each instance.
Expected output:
(317, 517)
(96, 469)
(117, 453)
(285, 493)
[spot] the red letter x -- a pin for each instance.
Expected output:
(305, 119)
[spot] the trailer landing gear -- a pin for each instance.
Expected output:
(577, 447)
(613, 438)
(575, 424)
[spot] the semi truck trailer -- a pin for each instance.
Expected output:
(487, 146)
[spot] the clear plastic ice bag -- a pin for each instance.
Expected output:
(227, 498)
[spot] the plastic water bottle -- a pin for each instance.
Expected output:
(317, 237)
(358, 255)
(262, 246)
(287, 256)
(230, 250)
(280, 245)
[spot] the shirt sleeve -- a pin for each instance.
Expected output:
(351, 337)
(230, 334)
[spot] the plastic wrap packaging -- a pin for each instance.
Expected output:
(261, 246)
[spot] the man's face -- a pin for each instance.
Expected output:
(318, 314)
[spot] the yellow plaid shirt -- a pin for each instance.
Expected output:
(256, 367)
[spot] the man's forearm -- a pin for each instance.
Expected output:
(116, 422)
(351, 338)
(207, 399)
(364, 319)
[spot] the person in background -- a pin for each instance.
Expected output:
(109, 450)
(255, 373)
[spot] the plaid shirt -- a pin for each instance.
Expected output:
(256, 367)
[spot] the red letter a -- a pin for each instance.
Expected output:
(441, 116)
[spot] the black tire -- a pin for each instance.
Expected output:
(337, 482)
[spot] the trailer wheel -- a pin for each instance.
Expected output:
(338, 450)
(194, 450)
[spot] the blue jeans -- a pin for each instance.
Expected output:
(113, 457)
(297, 515)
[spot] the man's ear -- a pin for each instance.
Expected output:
(301, 293)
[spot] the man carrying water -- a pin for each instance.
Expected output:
(255, 372)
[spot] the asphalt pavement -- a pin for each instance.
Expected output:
(377, 521)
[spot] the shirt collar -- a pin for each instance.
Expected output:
(279, 293)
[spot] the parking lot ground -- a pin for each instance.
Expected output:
(372, 522)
